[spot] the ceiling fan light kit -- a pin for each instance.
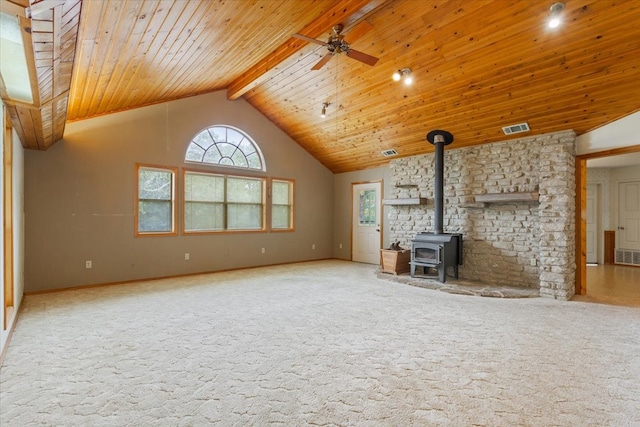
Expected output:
(403, 74)
(339, 43)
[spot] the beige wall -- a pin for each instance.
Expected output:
(80, 198)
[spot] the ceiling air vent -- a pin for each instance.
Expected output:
(390, 152)
(519, 128)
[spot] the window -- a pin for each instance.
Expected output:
(367, 214)
(155, 212)
(281, 204)
(225, 146)
(214, 203)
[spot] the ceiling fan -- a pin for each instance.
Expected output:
(339, 43)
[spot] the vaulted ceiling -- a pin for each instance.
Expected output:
(478, 65)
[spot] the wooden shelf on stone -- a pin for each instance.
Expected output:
(405, 201)
(507, 197)
(405, 185)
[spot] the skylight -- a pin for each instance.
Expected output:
(13, 62)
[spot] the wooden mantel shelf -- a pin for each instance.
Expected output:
(405, 201)
(507, 197)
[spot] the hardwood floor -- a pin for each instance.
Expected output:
(612, 284)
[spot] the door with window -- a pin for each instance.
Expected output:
(366, 221)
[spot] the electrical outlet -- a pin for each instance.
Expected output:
(340, 245)
(88, 264)
(186, 256)
(533, 262)
(313, 246)
(263, 250)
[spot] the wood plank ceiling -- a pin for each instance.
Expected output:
(477, 65)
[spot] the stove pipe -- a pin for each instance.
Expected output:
(439, 138)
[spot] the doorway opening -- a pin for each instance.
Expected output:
(582, 220)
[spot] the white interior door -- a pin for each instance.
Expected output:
(629, 215)
(366, 221)
(592, 224)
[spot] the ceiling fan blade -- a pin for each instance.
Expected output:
(309, 39)
(358, 31)
(323, 61)
(362, 57)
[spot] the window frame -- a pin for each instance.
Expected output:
(174, 177)
(263, 202)
(292, 195)
(258, 151)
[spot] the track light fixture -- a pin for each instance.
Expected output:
(403, 74)
(556, 10)
(323, 114)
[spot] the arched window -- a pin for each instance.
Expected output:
(223, 145)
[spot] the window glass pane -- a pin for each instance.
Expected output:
(195, 153)
(212, 156)
(244, 190)
(280, 192)
(254, 161)
(367, 207)
(281, 209)
(244, 217)
(203, 139)
(226, 150)
(203, 188)
(155, 184)
(203, 216)
(218, 133)
(234, 137)
(280, 217)
(239, 159)
(154, 216)
(247, 147)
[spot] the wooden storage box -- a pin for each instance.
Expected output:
(395, 262)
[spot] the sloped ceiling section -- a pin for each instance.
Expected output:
(50, 29)
(478, 66)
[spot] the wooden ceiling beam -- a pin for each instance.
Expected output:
(345, 12)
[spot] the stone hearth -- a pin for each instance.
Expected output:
(462, 287)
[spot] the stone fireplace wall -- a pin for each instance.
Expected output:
(527, 244)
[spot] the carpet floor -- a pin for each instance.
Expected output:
(316, 344)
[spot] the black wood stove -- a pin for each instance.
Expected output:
(437, 250)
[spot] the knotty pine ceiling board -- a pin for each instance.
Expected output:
(138, 53)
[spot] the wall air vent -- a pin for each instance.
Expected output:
(627, 256)
(519, 128)
(390, 152)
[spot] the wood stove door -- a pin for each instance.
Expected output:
(366, 222)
